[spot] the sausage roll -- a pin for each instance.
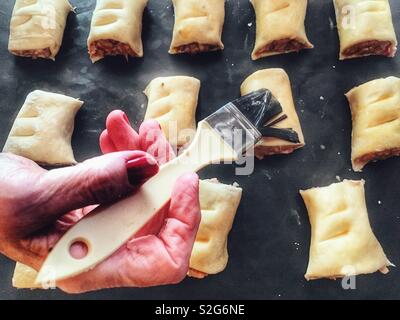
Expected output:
(198, 26)
(219, 203)
(280, 27)
(365, 28)
(280, 138)
(24, 277)
(172, 101)
(116, 29)
(37, 28)
(342, 241)
(43, 128)
(375, 108)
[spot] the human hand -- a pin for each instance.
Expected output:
(33, 219)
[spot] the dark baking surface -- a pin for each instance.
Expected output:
(269, 242)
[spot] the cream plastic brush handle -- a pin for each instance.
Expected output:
(106, 229)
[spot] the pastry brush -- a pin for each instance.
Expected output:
(221, 137)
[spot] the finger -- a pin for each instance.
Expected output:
(99, 180)
(106, 145)
(121, 133)
(180, 229)
(153, 141)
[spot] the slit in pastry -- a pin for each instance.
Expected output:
(218, 203)
(43, 129)
(37, 28)
(116, 29)
(280, 27)
(198, 26)
(172, 101)
(342, 241)
(375, 108)
(365, 28)
(283, 134)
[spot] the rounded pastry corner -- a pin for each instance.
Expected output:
(358, 167)
(255, 57)
(308, 277)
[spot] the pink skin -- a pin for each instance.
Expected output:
(38, 206)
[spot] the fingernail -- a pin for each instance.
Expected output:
(141, 169)
(192, 178)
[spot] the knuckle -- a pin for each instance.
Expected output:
(103, 185)
(179, 277)
(178, 273)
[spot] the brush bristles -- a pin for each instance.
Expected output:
(260, 108)
(284, 134)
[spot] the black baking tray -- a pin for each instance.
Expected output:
(269, 243)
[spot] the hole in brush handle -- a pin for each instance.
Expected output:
(79, 248)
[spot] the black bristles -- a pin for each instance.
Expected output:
(259, 107)
(284, 134)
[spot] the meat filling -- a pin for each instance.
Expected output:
(375, 156)
(373, 47)
(109, 47)
(34, 54)
(195, 47)
(263, 151)
(196, 274)
(283, 45)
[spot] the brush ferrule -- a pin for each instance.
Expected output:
(234, 128)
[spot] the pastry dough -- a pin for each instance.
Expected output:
(37, 27)
(375, 108)
(342, 240)
(280, 27)
(365, 28)
(116, 29)
(219, 203)
(198, 26)
(173, 103)
(277, 81)
(24, 277)
(43, 128)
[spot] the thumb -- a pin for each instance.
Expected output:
(96, 181)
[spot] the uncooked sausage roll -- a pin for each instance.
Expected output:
(198, 26)
(37, 27)
(172, 101)
(116, 29)
(24, 277)
(219, 203)
(285, 124)
(365, 28)
(342, 241)
(43, 128)
(375, 108)
(280, 27)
